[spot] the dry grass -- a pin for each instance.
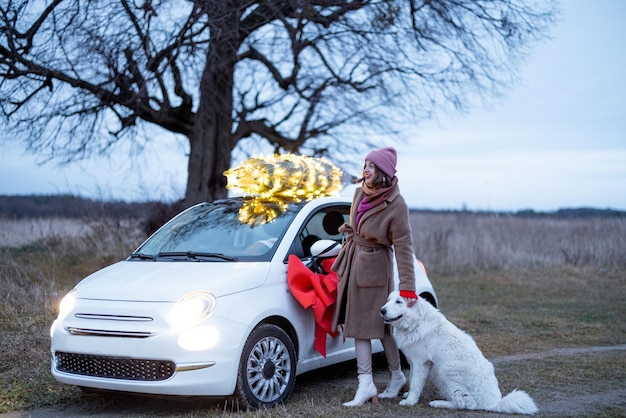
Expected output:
(33, 278)
(508, 282)
(20, 232)
(534, 310)
(450, 242)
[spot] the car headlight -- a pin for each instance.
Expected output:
(192, 308)
(199, 338)
(67, 304)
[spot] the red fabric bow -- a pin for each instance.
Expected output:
(316, 291)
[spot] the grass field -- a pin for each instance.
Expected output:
(517, 285)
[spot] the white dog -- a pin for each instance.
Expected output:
(436, 348)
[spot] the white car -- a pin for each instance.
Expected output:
(203, 307)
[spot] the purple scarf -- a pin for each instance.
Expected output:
(374, 197)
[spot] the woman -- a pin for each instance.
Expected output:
(379, 219)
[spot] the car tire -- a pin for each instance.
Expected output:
(267, 369)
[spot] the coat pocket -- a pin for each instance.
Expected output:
(372, 267)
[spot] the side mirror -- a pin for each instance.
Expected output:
(325, 248)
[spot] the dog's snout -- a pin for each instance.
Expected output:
(383, 310)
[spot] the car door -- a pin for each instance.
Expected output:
(322, 224)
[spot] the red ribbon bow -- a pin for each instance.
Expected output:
(316, 291)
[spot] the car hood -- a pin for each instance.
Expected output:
(169, 281)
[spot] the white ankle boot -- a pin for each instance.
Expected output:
(366, 391)
(396, 384)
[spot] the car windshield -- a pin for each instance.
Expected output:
(215, 232)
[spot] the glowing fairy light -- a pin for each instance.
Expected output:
(275, 180)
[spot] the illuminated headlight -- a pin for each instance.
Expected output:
(199, 338)
(65, 307)
(67, 304)
(191, 309)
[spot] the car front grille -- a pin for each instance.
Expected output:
(107, 333)
(114, 367)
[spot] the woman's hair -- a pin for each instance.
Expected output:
(380, 179)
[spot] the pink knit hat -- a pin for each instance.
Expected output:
(385, 159)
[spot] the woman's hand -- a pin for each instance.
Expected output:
(346, 229)
(410, 297)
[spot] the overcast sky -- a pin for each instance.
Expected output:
(556, 140)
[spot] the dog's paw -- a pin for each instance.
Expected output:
(410, 400)
(442, 404)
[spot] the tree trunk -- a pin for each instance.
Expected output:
(209, 155)
(211, 141)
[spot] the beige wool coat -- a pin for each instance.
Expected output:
(365, 265)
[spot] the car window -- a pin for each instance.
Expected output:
(323, 224)
(217, 228)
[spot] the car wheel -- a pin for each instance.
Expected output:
(267, 369)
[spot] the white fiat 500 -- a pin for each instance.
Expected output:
(203, 307)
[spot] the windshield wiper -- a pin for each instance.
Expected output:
(194, 255)
(143, 256)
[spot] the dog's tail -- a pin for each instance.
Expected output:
(517, 402)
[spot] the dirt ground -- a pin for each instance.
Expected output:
(606, 399)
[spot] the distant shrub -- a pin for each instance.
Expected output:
(158, 214)
(68, 206)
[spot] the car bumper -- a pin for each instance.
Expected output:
(158, 364)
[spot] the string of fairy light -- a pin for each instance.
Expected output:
(274, 181)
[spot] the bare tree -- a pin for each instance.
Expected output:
(78, 76)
